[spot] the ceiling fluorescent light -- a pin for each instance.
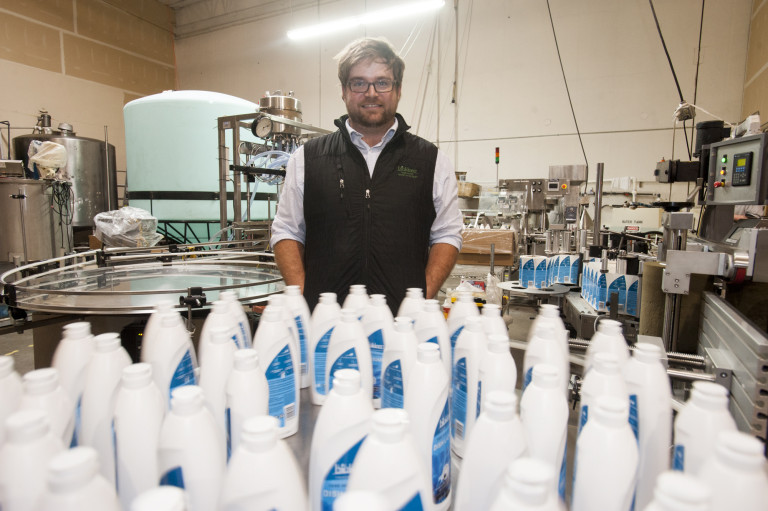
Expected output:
(390, 13)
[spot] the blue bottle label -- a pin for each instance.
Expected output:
(302, 343)
(392, 386)
(561, 482)
(228, 418)
(242, 341)
(584, 416)
(376, 340)
(634, 420)
(173, 477)
(321, 351)
(441, 457)
(415, 504)
(479, 398)
(528, 377)
(347, 360)
(433, 340)
(632, 293)
(282, 386)
(184, 373)
(335, 481)
(619, 287)
(459, 399)
(455, 336)
(78, 422)
(678, 459)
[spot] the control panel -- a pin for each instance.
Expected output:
(736, 171)
(538, 190)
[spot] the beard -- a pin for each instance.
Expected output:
(378, 119)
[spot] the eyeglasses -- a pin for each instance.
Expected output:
(381, 85)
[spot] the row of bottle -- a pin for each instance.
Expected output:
(543, 271)
(597, 286)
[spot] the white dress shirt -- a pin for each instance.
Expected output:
(446, 228)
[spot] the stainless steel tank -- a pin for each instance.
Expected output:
(284, 106)
(28, 224)
(94, 175)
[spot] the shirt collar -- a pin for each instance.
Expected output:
(357, 137)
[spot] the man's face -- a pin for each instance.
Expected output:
(371, 109)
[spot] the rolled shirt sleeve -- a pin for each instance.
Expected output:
(449, 221)
(289, 221)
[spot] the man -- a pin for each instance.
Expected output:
(370, 203)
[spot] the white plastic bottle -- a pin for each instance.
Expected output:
(548, 316)
(299, 310)
(263, 473)
(676, 491)
(357, 299)
(161, 498)
(24, 459)
(274, 344)
(222, 319)
(348, 348)
(544, 412)
(528, 486)
(168, 347)
(604, 379)
(650, 415)
(247, 394)
(412, 305)
(497, 367)
(606, 459)
(324, 318)
(389, 463)
(546, 347)
(278, 302)
(493, 323)
(399, 356)
(139, 413)
(244, 334)
(10, 392)
(426, 401)
(463, 308)
(464, 389)
(430, 326)
(736, 473)
(215, 367)
(189, 454)
(357, 500)
(102, 380)
(42, 391)
(697, 425)
(608, 339)
(377, 327)
(497, 439)
(74, 484)
(71, 359)
(342, 425)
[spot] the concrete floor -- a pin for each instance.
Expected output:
(20, 347)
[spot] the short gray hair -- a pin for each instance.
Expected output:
(369, 49)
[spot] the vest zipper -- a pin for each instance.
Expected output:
(367, 231)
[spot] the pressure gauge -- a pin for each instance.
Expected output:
(262, 127)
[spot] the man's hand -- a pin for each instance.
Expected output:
(442, 257)
(289, 256)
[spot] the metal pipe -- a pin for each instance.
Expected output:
(110, 206)
(22, 198)
(598, 203)
(678, 374)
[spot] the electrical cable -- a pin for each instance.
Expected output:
(698, 61)
(567, 90)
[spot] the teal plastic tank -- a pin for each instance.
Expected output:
(171, 143)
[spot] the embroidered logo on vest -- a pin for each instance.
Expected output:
(404, 171)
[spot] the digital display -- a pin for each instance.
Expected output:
(741, 162)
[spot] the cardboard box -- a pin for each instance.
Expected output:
(476, 248)
(468, 190)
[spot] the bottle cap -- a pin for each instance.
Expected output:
(356, 500)
(27, 425)
(246, 359)
(647, 353)
(41, 381)
(403, 324)
(529, 480)
(276, 300)
(390, 424)
(610, 411)
(327, 298)
(498, 343)
(259, 433)
(545, 376)
(164, 305)
(228, 296)
(6, 365)
(272, 312)
(491, 310)
(169, 319)
(500, 405)
(136, 376)
(221, 334)
(72, 469)
(428, 352)
(415, 293)
(606, 363)
(346, 382)
(609, 327)
(357, 289)
(161, 498)
(187, 400)
(473, 324)
(378, 300)
(349, 315)
(78, 330)
(549, 310)
(431, 305)
(709, 395)
(465, 297)
(107, 343)
(740, 451)
(292, 290)
(220, 307)
(678, 491)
